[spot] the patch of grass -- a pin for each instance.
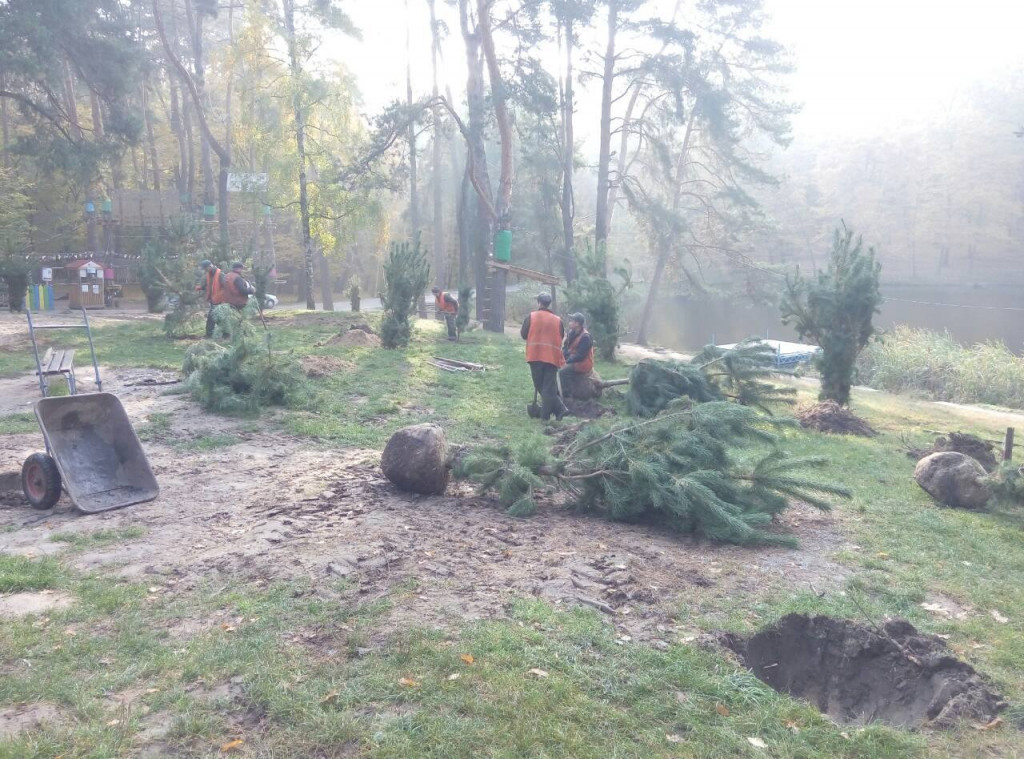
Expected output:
(96, 538)
(156, 427)
(248, 664)
(208, 442)
(18, 424)
(19, 573)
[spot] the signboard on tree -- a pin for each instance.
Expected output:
(247, 182)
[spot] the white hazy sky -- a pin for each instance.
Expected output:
(863, 66)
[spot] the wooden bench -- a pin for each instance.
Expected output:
(61, 362)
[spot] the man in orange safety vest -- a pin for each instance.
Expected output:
(579, 354)
(448, 306)
(543, 332)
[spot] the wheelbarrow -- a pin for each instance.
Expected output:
(92, 451)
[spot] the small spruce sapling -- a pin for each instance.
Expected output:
(406, 273)
(835, 310)
(597, 298)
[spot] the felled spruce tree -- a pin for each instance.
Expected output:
(739, 374)
(676, 470)
(835, 311)
(244, 375)
(406, 273)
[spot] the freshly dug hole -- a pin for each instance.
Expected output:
(856, 675)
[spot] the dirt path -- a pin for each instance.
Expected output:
(274, 507)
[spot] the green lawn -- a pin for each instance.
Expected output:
(293, 673)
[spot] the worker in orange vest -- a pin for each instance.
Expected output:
(236, 288)
(213, 286)
(543, 332)
(578, 351)
(448, 306)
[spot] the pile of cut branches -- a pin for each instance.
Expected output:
(676, 470)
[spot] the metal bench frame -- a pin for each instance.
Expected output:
(61, 362)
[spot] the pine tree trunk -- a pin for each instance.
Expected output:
(199, 68)
(568, 209)
(325, 282)
(601, 222)
(507, 176)
(666, 245)
(181, 171)
(300, 142)
(623, 162)
(440, 275)
(476, 159)
(154, 158)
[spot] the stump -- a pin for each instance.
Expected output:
(583, 387)
(416, 459)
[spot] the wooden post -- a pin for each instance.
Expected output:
(1008, 444)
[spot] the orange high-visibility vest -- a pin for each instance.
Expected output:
(544, 340)
(214, 286)
(230, 293)
(443, 304)
(587, 363)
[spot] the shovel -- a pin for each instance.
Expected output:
(532, 408)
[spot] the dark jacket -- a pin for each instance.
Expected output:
(582, 348)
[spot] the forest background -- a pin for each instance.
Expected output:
(684, 136)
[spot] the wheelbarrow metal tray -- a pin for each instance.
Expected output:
(99, 456)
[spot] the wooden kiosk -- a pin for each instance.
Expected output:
(86, 285)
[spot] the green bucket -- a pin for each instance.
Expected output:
(503, 246)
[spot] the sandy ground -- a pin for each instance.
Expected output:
(275, 507)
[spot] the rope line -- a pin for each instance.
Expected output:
(953, 305)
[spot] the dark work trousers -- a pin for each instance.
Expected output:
(209, 322)
(546, 383)
(449, 319)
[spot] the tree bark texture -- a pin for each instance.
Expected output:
(507, 176)
(601, 224)
(569, 150)
(300, 143)
(476, 159)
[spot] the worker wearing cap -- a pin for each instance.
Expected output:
(578, 351)
(213, 287)
(448, 306)
(236, 288)
(543, 332)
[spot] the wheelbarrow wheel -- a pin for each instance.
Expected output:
(40, 479)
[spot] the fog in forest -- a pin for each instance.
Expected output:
(709, 148)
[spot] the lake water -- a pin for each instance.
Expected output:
(970, 315)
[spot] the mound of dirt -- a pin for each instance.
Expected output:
(587, 409)
(856, 674)
(356, 337)
(829, 416)
(960, 442)
(318, 367)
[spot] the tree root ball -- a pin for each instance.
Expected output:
(953, 479)
(416, 459)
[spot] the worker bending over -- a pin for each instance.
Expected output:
(448, 306)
